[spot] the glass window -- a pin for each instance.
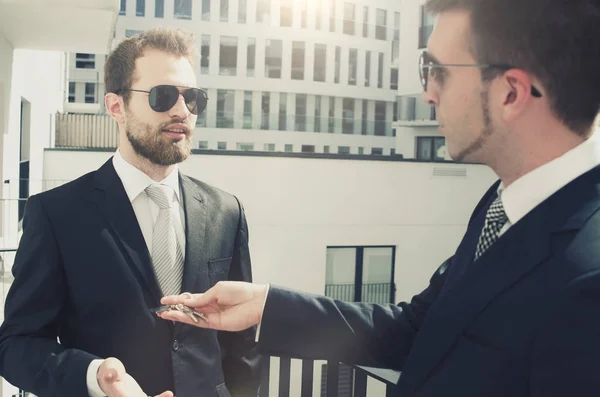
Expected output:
(131, 32)
(396, 26)
(225, 108)
(300, 112)
(242, 11)
(353, 60)
(338, 56)
(90, 93)
(288, 147)
(273, 54)
(245, 146)
(205, 54)
(348, 116)
(224, 11)
(303, 6)
(343, 149)
(72, 91)
(377, 151)
(285, 15)
(332, 15)
(251, 57)
(247, 110)
(368, 69)
(282, 111)
(331, 114)
(394, 79)
(380, 120)
(269, 147)
(380, 71)
(363, 127)
(203, 145)
(182, 9)
(159, 8)
(326, 149)
(228, 56)
(222, 145)
(381, 24)
(361, 150)
(318, 113)
(426, 28)
(263, 11)
(320, 62)
(349, 18)
(365, 21)
(431, 148)
(308, 148)
(123, 7)
(140, 8)
(85, 61)
(297, 60)
(265, 110)
(206, 10)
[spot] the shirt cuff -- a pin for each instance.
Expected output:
(93, 387)
(261, 314)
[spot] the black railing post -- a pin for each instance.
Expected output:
(285, 365)
(307, 378)
(333, 370)
(265, 377)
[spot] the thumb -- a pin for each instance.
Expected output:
(114, 370)
(166, 394)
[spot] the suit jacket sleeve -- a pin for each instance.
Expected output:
(241, 362)
(566, 353)
(30, 356)
(313, 327)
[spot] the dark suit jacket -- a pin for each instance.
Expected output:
(522, 320)
(83, 274)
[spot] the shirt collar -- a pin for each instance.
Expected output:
(135, 181)
(527, 192)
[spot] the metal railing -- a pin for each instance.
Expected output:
(369, 292)
(86, 131)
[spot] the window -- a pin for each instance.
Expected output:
(338, 56)
(123, 8)
(225, 108)
(364, 126)
(326, 149)
(396, 26)
(247, 110)
(380, 118)
(203, 145)
(377, 151)
(307, 149)
(381, 25)
(72, 87)
(392, 152)
(269, 147)
(320, 62)
(349, 18)
(332, 15)
(263, 11)
(285, 15)
(288, 147)
(380, 71)
(265, 110)
(297, 60)
(242, 11)
(228, 56)
(206, 10)
(394, 79)
(205, 54)
(222, 145)
(352, 60)
(182, 9)
(159, 8)
(431, 148)
(282, 111)
(343, 149)
(245, 146)
(361, 150)
(131, 32)
(90, 93)
(365, 21)
(140, 8)
(368, 69)
(317, 113)
(348, 116)
(85, 61)
(331, 114)
(303, 6)
(300, 112)
(273, 53)
(426, 28)
(224, 11)
(251, 57)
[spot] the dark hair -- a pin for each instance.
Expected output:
(558, 41)
(120, 64)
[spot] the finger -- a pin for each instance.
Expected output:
(166, 394)
(112, 370)
(178, 316)
(175, 299)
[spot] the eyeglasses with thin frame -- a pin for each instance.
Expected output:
(163, 97)
(429, 68)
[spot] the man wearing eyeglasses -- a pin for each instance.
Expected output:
(98, 254)
(515, 311)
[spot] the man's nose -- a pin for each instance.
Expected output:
(179, 110)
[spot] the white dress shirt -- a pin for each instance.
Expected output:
(146, 210)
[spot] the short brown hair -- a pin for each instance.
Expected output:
(120, 65)
(558, 41)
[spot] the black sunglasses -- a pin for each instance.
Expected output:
(164, 97)
(428, 66)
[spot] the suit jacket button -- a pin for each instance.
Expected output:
(175, 345)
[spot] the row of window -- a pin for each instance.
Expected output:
(289, 148)
(273, 61)
(89, 92)
(183, 10)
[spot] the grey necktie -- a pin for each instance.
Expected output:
(167, 257)
(494, 221)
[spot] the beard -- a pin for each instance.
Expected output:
(149, 142)
(486, 131)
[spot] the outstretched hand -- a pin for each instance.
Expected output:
(228, 306)
(116, 382)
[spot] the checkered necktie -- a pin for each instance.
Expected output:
(494, 220)
(167, 258)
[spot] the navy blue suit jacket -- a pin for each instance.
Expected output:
(83, 274)
(522, 320)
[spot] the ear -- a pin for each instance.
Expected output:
(516, 88)
(115, 107)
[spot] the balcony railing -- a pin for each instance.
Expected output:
(381, 293)
(411, 108)
(86, 131)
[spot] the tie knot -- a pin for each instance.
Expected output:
(160, 194)
(496, 213)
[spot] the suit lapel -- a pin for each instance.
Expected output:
(195, 233)
(515, 254)
(113, 203)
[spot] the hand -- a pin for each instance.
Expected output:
(116, 382)
(228, 306)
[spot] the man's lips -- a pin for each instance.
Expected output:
(176, 131)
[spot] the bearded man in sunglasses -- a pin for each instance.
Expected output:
(99, 253)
